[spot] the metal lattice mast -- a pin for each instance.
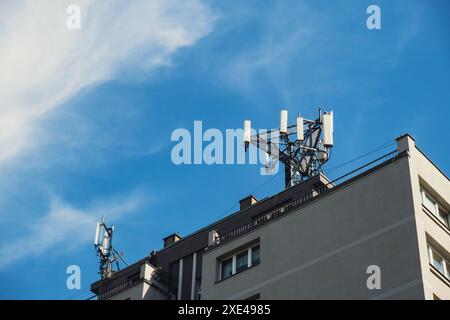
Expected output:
(303, 148)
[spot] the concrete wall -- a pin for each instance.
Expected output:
(168, 258)
(322, 250)
(147, 288)
(134, 293)
(198, 241)
(425, 174)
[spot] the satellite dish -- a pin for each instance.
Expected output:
(322, 156)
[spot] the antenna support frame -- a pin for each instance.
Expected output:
(302, 159)
(105, 251)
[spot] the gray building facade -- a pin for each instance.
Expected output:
(380, 232)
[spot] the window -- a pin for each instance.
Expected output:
(428, 202)
(439, 262)
(444, 217)
(240, 261)
(255, 255)
(435, 208)
(227, 268)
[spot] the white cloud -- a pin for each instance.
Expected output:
(283, 42)
(43, 64)
(66, 227)
(302, 50)
(272, 58)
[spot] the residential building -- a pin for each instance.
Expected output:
(379, 232)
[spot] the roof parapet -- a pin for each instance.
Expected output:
(405, 142)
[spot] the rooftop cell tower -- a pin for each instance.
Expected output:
(103, 245)
(303, 148)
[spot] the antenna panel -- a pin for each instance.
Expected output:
(300, 134)
(247, 130)
(283, 121)
(97, 230)
(328, 129)
(106, 241)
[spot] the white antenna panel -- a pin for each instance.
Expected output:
(266, 159)
(106, 241)
(328, 129)
(247, 130)
(97, 229)
(300, 135)
(283, 121)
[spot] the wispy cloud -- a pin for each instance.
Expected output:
(43, 64)
(67, 227)
(302, 49)
(284, 34)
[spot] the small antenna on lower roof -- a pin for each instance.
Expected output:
(108, 255)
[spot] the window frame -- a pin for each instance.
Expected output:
(250, 263)
(426, 196)
(446, 216)
(438, 210)
(256, 262)
(246, 265)
(221, 267)
(445, 262)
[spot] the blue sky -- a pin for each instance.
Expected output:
(86, 116)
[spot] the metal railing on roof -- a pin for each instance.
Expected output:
(295, 204)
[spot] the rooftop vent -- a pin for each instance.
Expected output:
(247, 202)
(171, 239)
